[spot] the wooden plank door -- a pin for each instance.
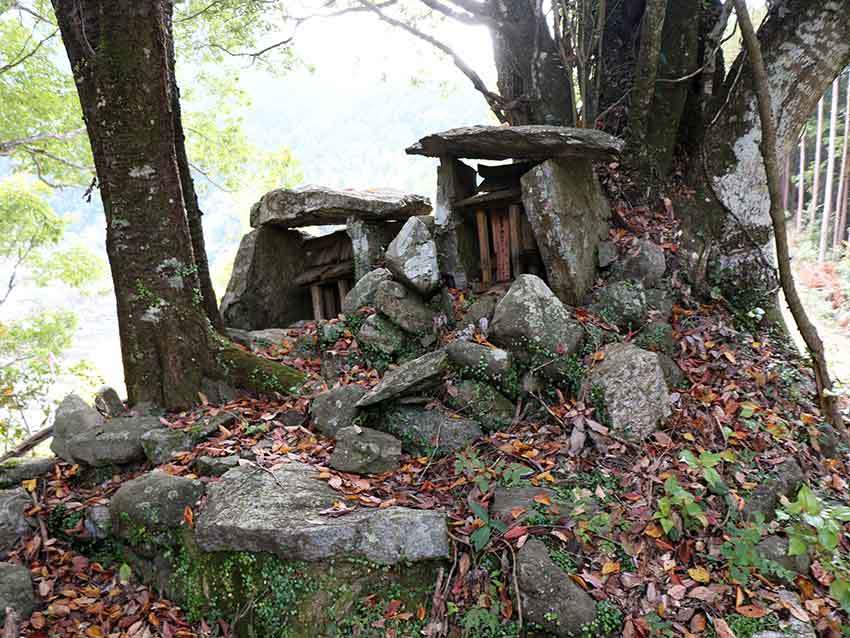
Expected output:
(501, 243)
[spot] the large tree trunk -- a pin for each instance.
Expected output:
(646, 72)
(823, 240)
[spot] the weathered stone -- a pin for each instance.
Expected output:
(154, 501)
(645, 263)
(631, 387)
(786, 481)
(161, 444)
(519, 142)
(549, 597)
(456, 241)
(98, 522)
(623, 304)
(660, 303)
(656, 336)
(793, 627)
(404, 308)
(569, 216)
(829, 441)
(369, 241)
(512, 504)
(13, 523)
(107, 401)
(261, 339)
(249, 510)
(218, 392)
(414, 376)
(363, 293)
(73, 417)
(318, 205)
(365, 451)
(412, 257)
(262, 292)
(215, 465)
(480, 313)
(116, 442)
(336, 408)
(16, 591)
(775, 548)
(535, 326)
(424, 431)
(13, 471)
(381, 334)
(479, 360)
(484, 403)
(606, 253)
(673, 375)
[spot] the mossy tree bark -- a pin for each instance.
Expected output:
(120, 54)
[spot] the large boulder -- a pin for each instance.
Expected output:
(379, 334)
(116, 442)
(262, 292)
(154, 502)
(549, 596)
(365, 451)
(73, 416)
(645, 263)
(424, 431)
(363, 293)
(16, 591)
(404, 308)
(13, 471)
(14, 524)
(336, 408)
(532, 323)
(569, 216)
(283, 512)
(623, 304)
(628, 383)
(412, 257)
(417, 375)
(479, 360)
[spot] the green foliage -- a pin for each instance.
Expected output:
(608, 621)
(480, 538)
(743, 556)
(744, 627)
(708, 462)
(678, 510)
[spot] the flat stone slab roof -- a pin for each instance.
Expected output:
(533, 142)
(319, 205)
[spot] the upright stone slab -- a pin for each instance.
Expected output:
(456, 251)
(369, 241)
(262, 292)
(569, 216)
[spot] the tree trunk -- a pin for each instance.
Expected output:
(646, 73)
(801, 183)
(813, 212)
(840, 218)
(830, 174)
(119, 51)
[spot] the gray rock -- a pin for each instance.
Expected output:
(262, 292)
(535, 326)
(414, 376)
(107, 401)
(260, 339)
(13, 471)
(549, 597)
(369, 241)
(218, 392)
(215, 465)
(73, 417)
(623, 304)
(519, 142)
(336, 408)
(162, 443)
(116, 442)
(364, 291)
(631, 386)
(606, 253)
(484, 403)
(381, 334)
(775, 548)
(404, 308)
(673, 375)
(659, 302)
(154, 501)
(365, 451)
(424, 431)
(829, 441)
(480, 360)
(785, 481)
(656, 336)
(318, 205)
(508, 501)
(481, 309)
(281, 512)
(793, 627)
(645, 263)
(16, 591)
(569, 216)
(412, 257)
(98, 522)
(14, 524)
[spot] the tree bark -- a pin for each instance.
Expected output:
(801, 183)
(843, 176)
(813, 212)
(824, 239)
(646, 72)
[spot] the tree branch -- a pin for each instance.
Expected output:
(10, 145)
(24, 58)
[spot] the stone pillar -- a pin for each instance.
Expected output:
(369, 241)
(455, 239)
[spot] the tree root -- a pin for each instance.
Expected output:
(253, 372)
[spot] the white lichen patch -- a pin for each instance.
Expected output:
(142, 172)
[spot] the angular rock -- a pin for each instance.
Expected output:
(381, 334)
(785, 481)
(162, 443)
(16, 591)
(336, 408)
(215, 465)
(659, 302)
(154, 501)
(606, 253)
(14, 524)
(569, 216)
(404, 308)
(116, 442)
(13, 471)
(519, 142)
(775, 548)
(549, 597)
(535, 326)
(673, 375)
(656, 336)
(369, 241)
(479, 360)
(631, 387)
(484, 403)
(261, 339)
(412, 257)
(248, 511)
(645, 264)
(364, 291)
(318, 205)
(414, 376)
(73, 416)
(365, 451)
(480, 313)
(98, 522)
(107, 401)
(425, 431)
(509, 501)
(623, 304)
(262, 292)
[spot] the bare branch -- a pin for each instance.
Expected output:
(24, 57)
(207, 177)
(10, 145)
(465, 18)
(254, 55)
